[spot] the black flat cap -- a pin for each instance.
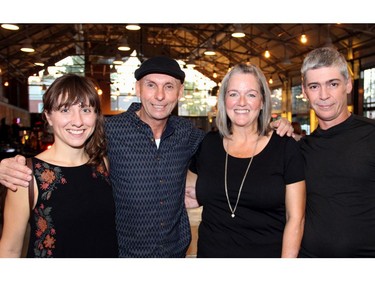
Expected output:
(160, 64)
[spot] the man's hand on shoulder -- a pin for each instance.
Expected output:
(14, 172)
(282, 127)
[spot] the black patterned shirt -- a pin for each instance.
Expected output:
(149, 184)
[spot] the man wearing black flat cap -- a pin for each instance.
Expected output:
(149, 151)
(162, 65)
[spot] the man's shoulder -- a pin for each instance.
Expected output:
(181, 122)
(123, 115)
(363, 120)
(113, 119)
(186, 127)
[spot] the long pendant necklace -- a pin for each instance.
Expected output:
(233, 210)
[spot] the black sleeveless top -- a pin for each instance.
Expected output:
(75, 214)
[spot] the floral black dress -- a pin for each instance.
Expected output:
(75, 213)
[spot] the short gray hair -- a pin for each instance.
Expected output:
(222, 120)
(325, 57)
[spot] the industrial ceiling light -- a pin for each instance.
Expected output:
(210, 50)
(10, 26)
(267, 54)
(190, 63)
(133, 27)
(27, 47)
(214, 74)
(303, 38)
(238, 32)
(38, 61)
(118, 60)
(124, 46)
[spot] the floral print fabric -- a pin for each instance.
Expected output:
(49, 178)
(59, 190)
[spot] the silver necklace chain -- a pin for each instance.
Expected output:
(233, 210)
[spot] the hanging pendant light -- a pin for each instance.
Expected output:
(133, 27)
(238, 32)
(124, 46)
(27, 46)
(118, 60)
(10, 26)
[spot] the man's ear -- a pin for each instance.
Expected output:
(349, 86)
(181, 92)
(304, 93)
(137, 88)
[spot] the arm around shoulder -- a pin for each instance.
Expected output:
(14, 172)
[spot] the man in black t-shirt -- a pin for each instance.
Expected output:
(339, 162)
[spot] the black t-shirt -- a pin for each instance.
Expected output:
(257, 229)
(340, 182)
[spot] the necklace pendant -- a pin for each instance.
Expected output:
(233, 215)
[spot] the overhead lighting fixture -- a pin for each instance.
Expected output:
(214, 74)
(271, 80)
(267, 54)
(210, 50)
(190, 63)
(238, 32)
(10, 26)
(118, 60)
(303, 38)
(38, 61)
(27, 47)
(133, 27)
(124, 46)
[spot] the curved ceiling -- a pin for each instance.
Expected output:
(99, 42)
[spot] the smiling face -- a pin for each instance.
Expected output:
(72, 125)
(327, 92)
(159, 94)
(243, 100)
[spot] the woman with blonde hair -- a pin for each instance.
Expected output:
(250, 180)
